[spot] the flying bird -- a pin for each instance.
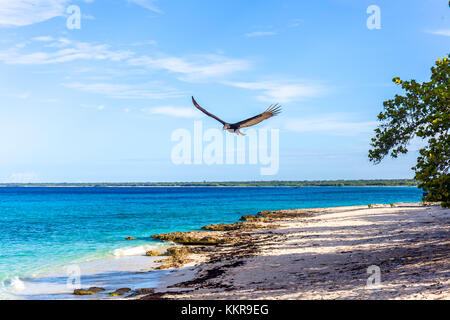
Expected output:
(271, 111)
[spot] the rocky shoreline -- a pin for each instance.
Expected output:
(321, 253)
(220, 236)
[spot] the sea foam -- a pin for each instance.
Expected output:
(133, 251)
(17, 284)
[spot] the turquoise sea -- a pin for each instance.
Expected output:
(44, 232)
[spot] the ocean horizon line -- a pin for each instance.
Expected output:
(244, 183)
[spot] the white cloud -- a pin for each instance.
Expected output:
(23, 177)
(191, 69)
(280, 91)
(178, 112)
(442, 32)
(194, 68)
(260, 34)
(334, 124)
(68, 51)
(126, 91)
(26, 12)
(144, 43)
(60, 43)
(43, 38)
(91, 106)
(147, 4)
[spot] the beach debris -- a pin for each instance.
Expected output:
(87, 292)
(119, 292)
(130, 238)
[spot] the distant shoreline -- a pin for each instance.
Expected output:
(274, 183)
(121, 186)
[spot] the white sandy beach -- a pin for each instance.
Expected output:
(327, 257)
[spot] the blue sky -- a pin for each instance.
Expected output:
(99, 103)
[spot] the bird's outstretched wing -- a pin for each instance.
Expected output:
(206, 112)
(271, 111)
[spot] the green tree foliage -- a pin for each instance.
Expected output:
(423, 112)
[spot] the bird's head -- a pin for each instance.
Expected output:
(226, 127)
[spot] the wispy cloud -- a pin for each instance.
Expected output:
(260, 34)
(67, 51)
(126, 91)
(144, 43)
(43, 38)
(23, 177)
(331, 124)
(18, 95)
(178, 112)
(281, 91)
(441, 32)
(194, 68)
(147, 4)
(191, 68)
(88, 106)
(25, 12)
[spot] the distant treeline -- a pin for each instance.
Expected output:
(275, 183)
